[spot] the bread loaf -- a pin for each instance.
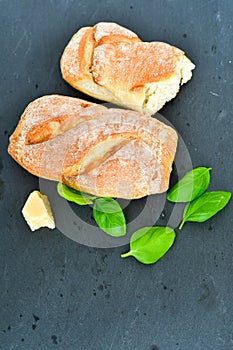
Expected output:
(111, 63)
(103, 151)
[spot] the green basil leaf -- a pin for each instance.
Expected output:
(149, 244)
(73, 195)
(109, 216)
(191, 186)
(205, 206)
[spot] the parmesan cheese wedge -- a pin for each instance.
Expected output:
(37, 211)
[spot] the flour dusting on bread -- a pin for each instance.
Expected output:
(107, 152)
(124, 70)
(104, 31)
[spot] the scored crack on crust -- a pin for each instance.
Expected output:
(103, 151)
(111, 63)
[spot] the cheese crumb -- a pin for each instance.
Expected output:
(37, 211)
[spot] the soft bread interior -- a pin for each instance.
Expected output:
(186, 70)
(158, 93)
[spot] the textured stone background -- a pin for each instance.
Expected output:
(57, 294)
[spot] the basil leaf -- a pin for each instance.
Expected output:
(206, 206)
(149, 244)
(191, 186)
(109, 216)
(73, 195)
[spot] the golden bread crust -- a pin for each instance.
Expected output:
(124, 70)
(107, 32)
(118, 64)
(77, 57)
(106, 152)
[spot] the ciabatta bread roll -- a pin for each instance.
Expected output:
(111, 63)
(103, 151)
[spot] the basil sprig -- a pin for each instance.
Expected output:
(191, 186)
(73, 195)
(202, 205)
(109, 216)
(205, 206)
(149, 244)
(106, 211)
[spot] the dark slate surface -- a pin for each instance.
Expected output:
(58, 294)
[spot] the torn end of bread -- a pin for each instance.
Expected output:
(158, 93)
(124, 70)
